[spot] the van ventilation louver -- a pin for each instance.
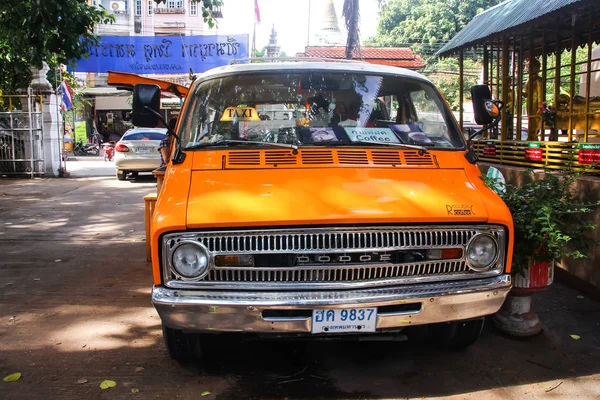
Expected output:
(352, 157)
(314, 158)
(317, 157)
(244, 158)
(386, 157)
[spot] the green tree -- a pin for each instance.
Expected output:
(444, 74)
(57, 32)
(208, 10)
(33, 31)
(425, 24)
(260, 53)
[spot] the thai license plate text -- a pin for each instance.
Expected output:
(344, 320)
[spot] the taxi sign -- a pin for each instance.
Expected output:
(240, 114)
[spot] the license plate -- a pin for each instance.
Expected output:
(144, 150)
(344, 320)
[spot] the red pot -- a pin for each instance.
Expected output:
(537, 277)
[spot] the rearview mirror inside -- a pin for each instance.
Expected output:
(145, 98)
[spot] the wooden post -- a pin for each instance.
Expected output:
(531, 119)
(557, 66)
(588, 81)
(160, 177)
(498, 61)
(544, 67)
(505, 88)
(461, 88)
(572, 88)
(515, 133)
(519, 104)
(486, 60)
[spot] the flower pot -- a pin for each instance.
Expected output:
(515, 317)
(536, 277)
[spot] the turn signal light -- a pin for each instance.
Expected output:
(445, 254)
(121, 148)
(240, 260)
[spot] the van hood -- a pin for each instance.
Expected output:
(336, 196)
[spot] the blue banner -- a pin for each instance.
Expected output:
(163, 54)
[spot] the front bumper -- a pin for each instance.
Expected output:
(136, 164)
(220, 311)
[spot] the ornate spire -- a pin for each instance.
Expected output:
(272, 47)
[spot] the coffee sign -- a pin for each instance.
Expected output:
(374, 135)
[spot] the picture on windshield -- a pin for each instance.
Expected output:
(317, 108)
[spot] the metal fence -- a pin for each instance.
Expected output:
(550, 155)
(21, 135)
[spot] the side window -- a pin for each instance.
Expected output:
(428, 113)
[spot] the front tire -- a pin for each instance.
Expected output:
(121, 175)
(182, 347)
(458, 334)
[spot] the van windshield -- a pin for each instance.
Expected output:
(317, 108)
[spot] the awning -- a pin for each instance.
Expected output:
(104, 91)
(505, 16)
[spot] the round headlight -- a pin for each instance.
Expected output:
(482, 252)
(190, 260)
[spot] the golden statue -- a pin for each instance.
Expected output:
(510, 111)
(533, 93)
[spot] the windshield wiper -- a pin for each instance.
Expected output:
(247, 142)
(422, 149)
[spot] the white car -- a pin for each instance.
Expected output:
(137, 151)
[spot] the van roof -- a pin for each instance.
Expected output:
(338, 66)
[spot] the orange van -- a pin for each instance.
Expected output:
(322, 199)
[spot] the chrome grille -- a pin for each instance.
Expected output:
(340, 273)
(333, 241)
(318, 242)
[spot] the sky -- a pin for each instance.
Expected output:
(291, 20)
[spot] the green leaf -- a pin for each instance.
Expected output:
(204, 394)
(135, 390)
(107, 384)
(575, 337)
(12, 377)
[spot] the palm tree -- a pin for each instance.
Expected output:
(351, 15)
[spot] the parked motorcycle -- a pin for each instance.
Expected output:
(88, 149)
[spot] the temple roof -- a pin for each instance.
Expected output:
(393, 56)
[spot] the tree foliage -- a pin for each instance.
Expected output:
(32, 31)
(208, 10)
(444, 74)
(425, 22)
(57, 32)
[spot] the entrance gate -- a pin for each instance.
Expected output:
(21, 135)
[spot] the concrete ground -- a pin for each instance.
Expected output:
(75, 310)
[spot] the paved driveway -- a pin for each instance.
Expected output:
(75, 307)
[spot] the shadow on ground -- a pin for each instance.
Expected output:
(75, 304)
(89, 316)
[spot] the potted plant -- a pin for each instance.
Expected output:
(549, 224)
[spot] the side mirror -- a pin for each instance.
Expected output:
(145, 96)
(485, 110)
